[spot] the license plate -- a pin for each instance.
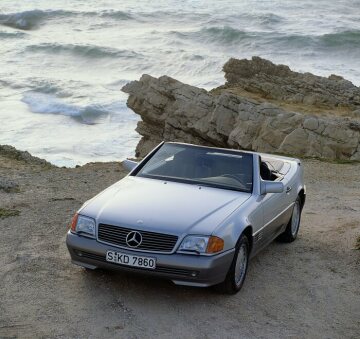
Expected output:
(130, 260)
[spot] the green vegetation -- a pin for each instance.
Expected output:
(6, 213)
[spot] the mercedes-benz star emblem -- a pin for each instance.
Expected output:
(134, 239)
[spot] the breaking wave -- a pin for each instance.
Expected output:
(45, 86)
(89, 51)
(29, 20)
(268, 18)
(227, 35)
(120, 15)
(11, 35)
(348, 41)
(265, 20)
(349, 38)
(224, 35)
(50, 104)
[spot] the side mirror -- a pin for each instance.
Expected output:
(271, 187)
(129, 164)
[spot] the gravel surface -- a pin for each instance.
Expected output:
(307, 289)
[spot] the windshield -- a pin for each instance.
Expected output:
(205, 166)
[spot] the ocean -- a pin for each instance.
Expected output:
(63, 63)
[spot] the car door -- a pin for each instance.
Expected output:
(277, 209)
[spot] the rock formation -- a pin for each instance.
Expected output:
(11, 152)
(279, 82)
(262, 107)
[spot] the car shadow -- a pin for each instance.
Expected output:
(271, 262)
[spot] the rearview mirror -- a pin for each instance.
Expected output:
(129, 164)
(271, 187)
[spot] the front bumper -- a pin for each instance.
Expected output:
(182, 269)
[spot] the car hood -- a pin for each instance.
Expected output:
(163, 206)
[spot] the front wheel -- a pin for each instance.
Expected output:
(292, 229)
(236, 276)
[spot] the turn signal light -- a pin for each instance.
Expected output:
(74, 222)
(215, 245)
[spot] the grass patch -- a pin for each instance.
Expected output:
(6, 213)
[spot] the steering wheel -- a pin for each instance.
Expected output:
(232, 176)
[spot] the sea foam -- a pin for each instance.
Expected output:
(90, 51)
(50, 104)
(11, 35)
(29, 20)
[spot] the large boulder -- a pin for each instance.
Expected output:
(280, 83)
(226, 117)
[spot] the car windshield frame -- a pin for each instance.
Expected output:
(219, 151)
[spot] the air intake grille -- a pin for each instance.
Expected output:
(151, 241)
(160, 269)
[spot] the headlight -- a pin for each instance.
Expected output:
(201, 244)
(83, 225)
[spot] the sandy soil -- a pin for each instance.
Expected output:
(307, 289)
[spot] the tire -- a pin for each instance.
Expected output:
(292, 228)
(237, 272)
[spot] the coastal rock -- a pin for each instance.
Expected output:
(226, 117)
(279, 82)
(11, 152)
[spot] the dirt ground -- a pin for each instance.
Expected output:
(307, 289)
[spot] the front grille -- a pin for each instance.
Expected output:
(160, 269)
(151, 241)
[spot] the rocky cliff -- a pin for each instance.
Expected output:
(262, 107)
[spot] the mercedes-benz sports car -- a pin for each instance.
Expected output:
(192, 214)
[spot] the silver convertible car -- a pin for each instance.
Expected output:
(191, 214)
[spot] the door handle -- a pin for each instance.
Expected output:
(288, 189)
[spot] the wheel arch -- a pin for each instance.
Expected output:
(248, 231)
(302, 196)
